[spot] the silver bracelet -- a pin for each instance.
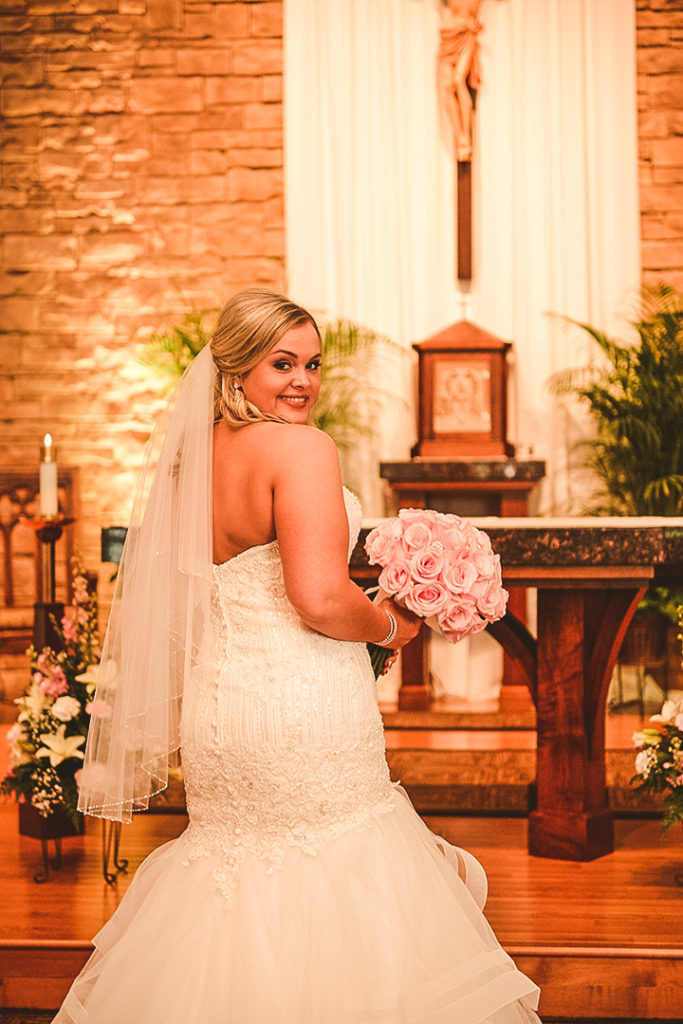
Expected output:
(393, 630)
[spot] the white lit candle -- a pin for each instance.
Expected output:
(48, 478)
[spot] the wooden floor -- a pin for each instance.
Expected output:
(604, 940)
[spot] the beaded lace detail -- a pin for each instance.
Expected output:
(283, 744)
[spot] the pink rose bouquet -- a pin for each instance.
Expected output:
(440, 567)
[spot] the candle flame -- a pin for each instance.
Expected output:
(47, 440)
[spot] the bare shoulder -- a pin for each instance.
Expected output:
(285, 444)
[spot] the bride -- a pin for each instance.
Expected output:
(305, 889)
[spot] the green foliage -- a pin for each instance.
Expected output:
(168, 353)
(635, 396)
(349, 402)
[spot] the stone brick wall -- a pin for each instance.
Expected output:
(142, 174)
(659, 27)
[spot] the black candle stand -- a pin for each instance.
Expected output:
(47, 610)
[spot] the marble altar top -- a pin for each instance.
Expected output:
(577, 541)
(441, 470)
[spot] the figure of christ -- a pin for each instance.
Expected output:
(459, 69)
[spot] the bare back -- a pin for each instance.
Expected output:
(277, 480)
(239, 468)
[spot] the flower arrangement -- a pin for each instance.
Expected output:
(440, 567)
(659, 761)
(47, 742)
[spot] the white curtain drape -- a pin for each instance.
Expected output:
(370, 188)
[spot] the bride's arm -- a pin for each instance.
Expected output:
(313, 535)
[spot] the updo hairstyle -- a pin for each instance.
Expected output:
(249, 326)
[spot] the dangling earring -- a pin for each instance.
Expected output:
(236, 387)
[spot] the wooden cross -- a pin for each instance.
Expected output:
(464, 225)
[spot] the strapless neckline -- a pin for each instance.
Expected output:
(354, 514)
(240, 554)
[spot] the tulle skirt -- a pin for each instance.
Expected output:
(377, 928)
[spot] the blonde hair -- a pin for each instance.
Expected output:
(249, 326)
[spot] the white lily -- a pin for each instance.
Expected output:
(32, 703)
(102, 677)
(91, 676)
(59, 747)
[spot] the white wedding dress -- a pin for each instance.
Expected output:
(305, 890)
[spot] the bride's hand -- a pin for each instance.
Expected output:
(408, 623)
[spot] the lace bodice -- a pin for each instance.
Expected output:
(282, 739)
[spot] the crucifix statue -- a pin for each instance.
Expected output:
(459, 79)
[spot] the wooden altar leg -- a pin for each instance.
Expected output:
(579, 635)
(415, 693)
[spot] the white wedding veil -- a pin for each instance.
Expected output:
(159, 627)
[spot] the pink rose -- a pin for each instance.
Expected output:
(416, 536)
(417, 515)
(426, 565)
(486, 563)
(490, 597)
(98, 709)
(381, 542)
(460, 620)
(395, 578)
(56, 685)
(427, 599)
(458, 574)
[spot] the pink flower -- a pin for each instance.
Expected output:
(82, 616)
(80, 585)
(678, 721)
(427, 564)
(427, 599)
(458, 574)
(56, 685)
(417, 515)
(98, 709)
(43, 662)
(490, 597)
(395, 578)
(382, 542)
(69, 630)
(486, 563)
(460, 620)
(416, 536)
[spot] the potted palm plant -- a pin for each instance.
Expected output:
(635, 396)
